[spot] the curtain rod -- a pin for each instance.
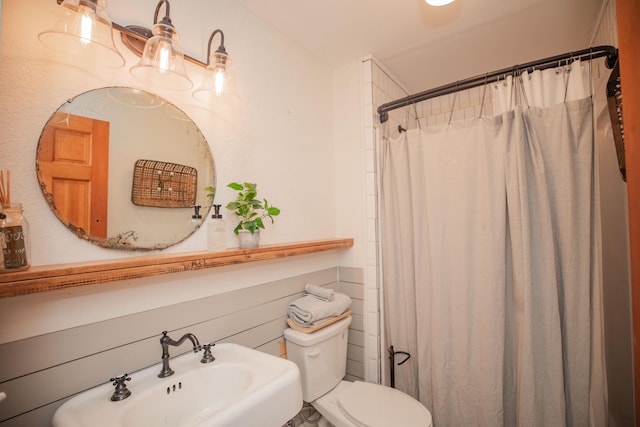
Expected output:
(586, 54)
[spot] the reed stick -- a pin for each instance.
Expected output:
(5, 189)
(1, 187)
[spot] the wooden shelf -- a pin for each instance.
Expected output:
(53, 277)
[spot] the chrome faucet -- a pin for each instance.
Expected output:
(165, 342)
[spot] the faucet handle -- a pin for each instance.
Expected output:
(207, 357)
(121, 392)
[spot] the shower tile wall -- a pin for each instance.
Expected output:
(373, 361)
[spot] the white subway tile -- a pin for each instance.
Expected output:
(372, 253)
(369, 160)
(372, 300)
(372, 207)
(373, 348)
(372, 323)
(378, 98)
(373, 374)
(373, 279)
(367, 74)
(367, 94)
(377, 73)
(368, 116)
(369, 137)
(372, 230)
(371, 180)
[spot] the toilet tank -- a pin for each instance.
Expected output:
(321, 357)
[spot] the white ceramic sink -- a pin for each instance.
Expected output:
(242, 387)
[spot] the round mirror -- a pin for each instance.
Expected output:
(125, 169)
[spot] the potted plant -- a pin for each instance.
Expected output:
(252, 211)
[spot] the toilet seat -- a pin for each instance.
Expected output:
(371, 405)
(368, 404)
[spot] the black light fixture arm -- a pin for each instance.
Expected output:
(167, 12)
(91, 4)
(220, 48)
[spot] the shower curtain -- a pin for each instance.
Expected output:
(491, 271)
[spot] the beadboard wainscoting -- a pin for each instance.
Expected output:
(39, 374)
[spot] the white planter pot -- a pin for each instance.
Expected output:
(247, 240)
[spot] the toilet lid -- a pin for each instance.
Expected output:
(372, 405)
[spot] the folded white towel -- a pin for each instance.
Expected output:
(319, 292)
(309, 310)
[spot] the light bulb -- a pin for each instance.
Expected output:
(219, 81)
(86, 26)
(163, 56)
(438, 2)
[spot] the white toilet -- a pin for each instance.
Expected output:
(322, 359)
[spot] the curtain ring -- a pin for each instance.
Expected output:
(453, 104)
(567, 77)
(591, 72)
(511, 92)
(417, 118)
(406, 123)
(484, 92)
(517, 77)
(524, 93)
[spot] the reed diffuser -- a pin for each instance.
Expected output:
(5, 191)
(14, 229)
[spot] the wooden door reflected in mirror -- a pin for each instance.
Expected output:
(73, 161)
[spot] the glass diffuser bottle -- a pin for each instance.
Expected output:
(216, 231)
(14, 238)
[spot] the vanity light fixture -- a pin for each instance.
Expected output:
(438, 2)
(217, 80)
(162, 62)
(84, 32)
(89, 31)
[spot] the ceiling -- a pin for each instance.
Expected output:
(424, 46)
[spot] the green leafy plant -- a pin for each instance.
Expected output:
(211, 193)
(249, 208)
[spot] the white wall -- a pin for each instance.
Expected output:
(282, 138)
